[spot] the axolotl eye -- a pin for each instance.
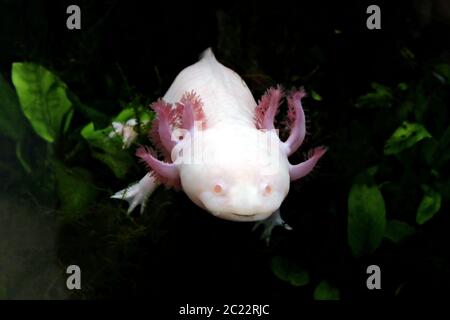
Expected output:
(266, 189)
(218, 188)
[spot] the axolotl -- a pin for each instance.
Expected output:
(220, 146)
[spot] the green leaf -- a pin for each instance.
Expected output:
(407, 54)
(315, 95)
(289, 271)
(397, 231)
(407, 135)
(382, 97)
(99, 119)
(12, 122)
(280, 268)
(366, 215)
(443, 69)
(299, 278)
(119, 164)
(108, 150)
(125, 115)
(379, 88)
(44, 101)
(134, 112)
(75, 190)
(402, 86)
(429, 206)
(325, 291)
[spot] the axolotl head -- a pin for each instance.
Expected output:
(238, 173)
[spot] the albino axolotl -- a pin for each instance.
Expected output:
(220, 146)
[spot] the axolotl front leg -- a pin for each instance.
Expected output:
(138, 193)
(269, 224)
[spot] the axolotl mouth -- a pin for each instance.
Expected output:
(244, 215)
(233, 216)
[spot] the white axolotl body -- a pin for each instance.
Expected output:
(221, 147)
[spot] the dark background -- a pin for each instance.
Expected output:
(127, 50)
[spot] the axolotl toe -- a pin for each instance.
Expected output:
(220, 147)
